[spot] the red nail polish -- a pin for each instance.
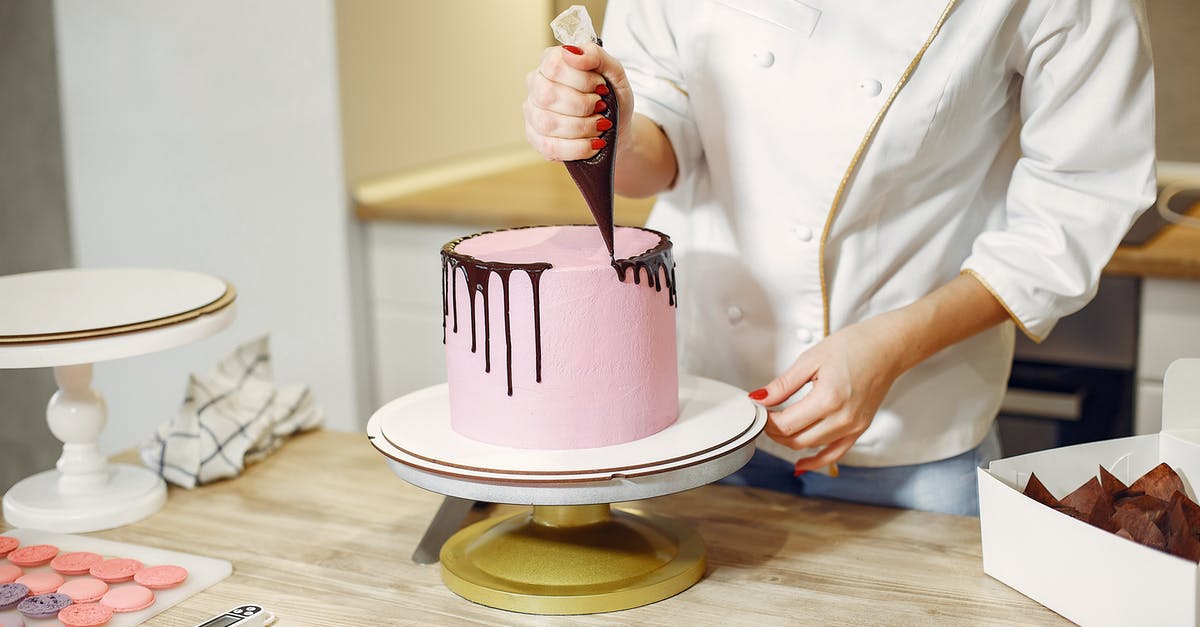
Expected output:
(603, 124)
(573, 49)
(602, 89)
(600, 106)
(598, 143)
(799, 472)
(758, 394)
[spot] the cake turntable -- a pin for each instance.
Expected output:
(573, 553)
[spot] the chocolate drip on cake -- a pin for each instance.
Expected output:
(476, 273)
(658, 264)
(594, 175)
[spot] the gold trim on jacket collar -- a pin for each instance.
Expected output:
(862, 148)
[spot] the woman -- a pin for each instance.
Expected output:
(874, 199)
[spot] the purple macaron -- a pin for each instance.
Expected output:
(11, 594)
(43, 605)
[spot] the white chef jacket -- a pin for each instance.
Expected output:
(838, 160)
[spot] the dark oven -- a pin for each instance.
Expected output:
(1078, 385)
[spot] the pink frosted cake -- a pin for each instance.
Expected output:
(552, 345)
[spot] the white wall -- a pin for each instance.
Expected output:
(204, 135)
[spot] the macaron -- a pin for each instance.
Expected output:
(86, 615)
(161, 577)
(84, 589)
(77, 563)
(33, 555)
(115, 570)
(11, 594)
(42, 581)
(128, 598)
(43, 605)
(9, 573)
(7, 544)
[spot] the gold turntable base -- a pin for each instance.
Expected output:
(572, 559)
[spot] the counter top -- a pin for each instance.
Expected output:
(321, 533)
(543, 193)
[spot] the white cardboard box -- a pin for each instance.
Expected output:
(1086, 574)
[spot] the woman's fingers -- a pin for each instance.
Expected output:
(562, 108)
(556, 149)
(562, 99)
(801, 372)
(828, 455)
(579, 72)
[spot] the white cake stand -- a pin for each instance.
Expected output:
(68, 320)
(572, 554)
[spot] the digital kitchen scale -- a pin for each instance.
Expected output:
(573, 553)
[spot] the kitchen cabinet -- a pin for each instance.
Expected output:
(404, 278)
(1169, 328)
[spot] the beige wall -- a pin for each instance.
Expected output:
(428, 82)
(1175, 36)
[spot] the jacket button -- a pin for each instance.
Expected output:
(871, 88)
(804, 335)
(801, 232)
(734, 313)
(764, 57)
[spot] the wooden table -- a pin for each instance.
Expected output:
(321, 533)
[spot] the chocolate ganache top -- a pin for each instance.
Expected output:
(656, 263)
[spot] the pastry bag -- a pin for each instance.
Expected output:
(593, 176)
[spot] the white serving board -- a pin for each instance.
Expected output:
(202, 571)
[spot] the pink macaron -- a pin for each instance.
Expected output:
(76, 563)
(9, 573)
(161, 577)
(128, 598)
(7, 544)
(41, 582)
(84, 589)
(85, 615)
(33, 555)
(115, 570)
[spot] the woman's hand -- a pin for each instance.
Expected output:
(851, 371)
(562, 109)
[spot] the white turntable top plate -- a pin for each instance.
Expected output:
(416, 429)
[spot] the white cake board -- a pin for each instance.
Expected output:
(576, 480)
(85, 492)
(202, 571)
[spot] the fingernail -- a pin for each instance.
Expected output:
(798, 472)
(603, 124)
(602, 89)
(758, 394)
(573, 49)
(600, 106)
(598, 143)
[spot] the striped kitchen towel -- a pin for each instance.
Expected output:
(232, 417)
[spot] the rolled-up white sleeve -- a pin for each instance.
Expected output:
(639, 34)
(1086, 168)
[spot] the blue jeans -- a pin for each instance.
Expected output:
(947, 485)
